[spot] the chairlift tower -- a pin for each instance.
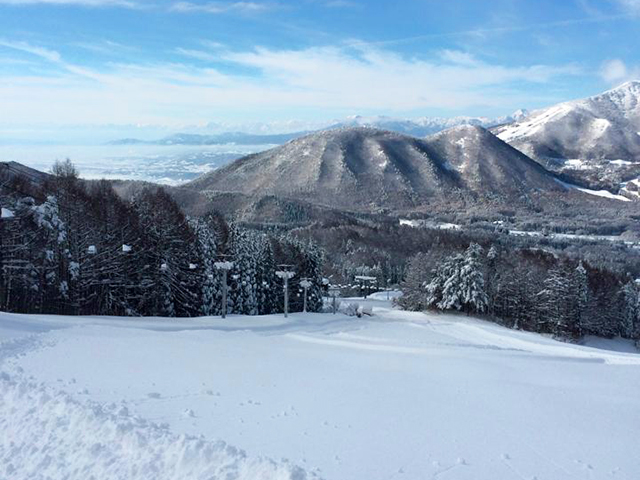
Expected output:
(285, 274)
(224, 266)
(305, 283)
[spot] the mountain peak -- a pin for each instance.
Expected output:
(601, 129)
(630, 89)
(464, 130)
(363, 168)
(630, 85)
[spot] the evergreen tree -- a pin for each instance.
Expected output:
(474, 297)
(630, 311)
(580, 297)
(414, 287)
(451, 281)
(558, 300)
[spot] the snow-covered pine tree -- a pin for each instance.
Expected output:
(311, 269)
(54, 254)
(20, 267)
(630, 310)
(414, 296)
(474, 297)
(267, 291)
(492, 278)
(173, 276)
(558, 299)
(579, 297)
(451, 276)
(207, 250)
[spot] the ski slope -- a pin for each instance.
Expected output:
(399, 395)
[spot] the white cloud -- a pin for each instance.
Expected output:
(83, 3)
(219, 7)
(316, 81)
(379, 79)
(615, 71)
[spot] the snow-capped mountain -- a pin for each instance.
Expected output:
(596, 140)
(424, 126)
(369, 169)
(417, 127)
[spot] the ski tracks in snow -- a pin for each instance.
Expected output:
(18, 347)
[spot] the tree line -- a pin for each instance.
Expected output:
(73, 247)
(529, 289)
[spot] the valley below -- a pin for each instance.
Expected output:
(159, 164)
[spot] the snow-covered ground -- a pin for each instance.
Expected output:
(597, 193)
(398, 395)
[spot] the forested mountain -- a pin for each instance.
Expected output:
(371, 170)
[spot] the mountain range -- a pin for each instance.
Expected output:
(581, 156)
(417, 127)
(593, 142)
(238, 138)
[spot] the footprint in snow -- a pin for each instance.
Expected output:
(188, 413)
(154, 395)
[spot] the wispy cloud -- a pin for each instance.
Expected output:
(82, 3)
(482, 32)
(322, 79)
(197, 54)
(50, 55)
(220, 7)
(105, 47)
(53, 57)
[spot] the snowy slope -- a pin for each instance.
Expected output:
(603, 126)
(46, 433)
(600, 133)
(396, 396)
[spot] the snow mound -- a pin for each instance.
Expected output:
(47, 434)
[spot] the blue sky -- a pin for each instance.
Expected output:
(65, 63)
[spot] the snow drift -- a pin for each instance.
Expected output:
(48, 434)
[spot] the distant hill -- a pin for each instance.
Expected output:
(371, 170)
(220, 139)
